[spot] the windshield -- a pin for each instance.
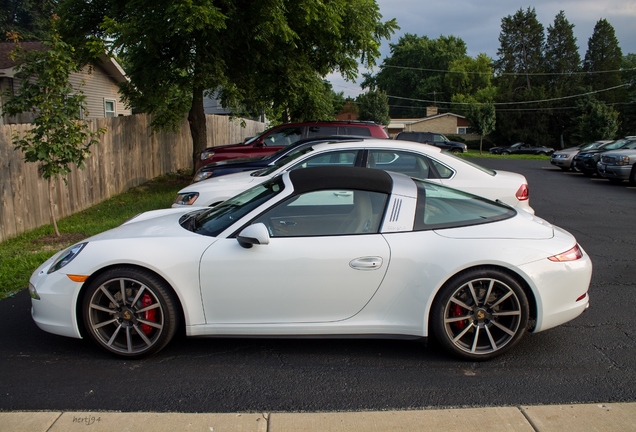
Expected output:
(213, 221)
(283, 161)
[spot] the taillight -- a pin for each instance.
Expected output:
(523, 193)
(570, 255)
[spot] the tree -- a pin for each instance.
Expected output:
(414, 74)
(519, 69)
(30, 19)
(483, 119)
(603, 60)
(521, 48)
(563, 64)
(263, 56)
(374, 106)
(596, 121)
(628, 110)
(58, 138)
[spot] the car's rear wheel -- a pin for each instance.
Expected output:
(130, 312)
(480, 314)
(505, 152)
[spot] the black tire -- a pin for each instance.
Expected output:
(564, 169)
(130, 312)
(632, 176)
(505, 152)
(615, 180)
(480, 314)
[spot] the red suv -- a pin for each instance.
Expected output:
(280, 136)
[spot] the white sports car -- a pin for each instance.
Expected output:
(413, 159)
(326, 252)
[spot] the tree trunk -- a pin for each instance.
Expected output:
(52, 206)
(481, 139)
(196, 119)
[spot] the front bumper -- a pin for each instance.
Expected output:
(54, 311)
(621, 172)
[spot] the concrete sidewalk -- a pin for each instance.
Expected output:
(547, 418)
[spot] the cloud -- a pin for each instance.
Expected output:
(478, 23)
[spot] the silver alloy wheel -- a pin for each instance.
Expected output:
(125, 316)
(482, 316)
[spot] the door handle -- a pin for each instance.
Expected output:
(366, 263)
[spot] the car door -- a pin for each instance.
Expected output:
(324, 262)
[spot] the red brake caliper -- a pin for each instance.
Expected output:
(457, 310)
(149, 315)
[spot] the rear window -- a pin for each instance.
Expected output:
(354, 131)
(439, 207)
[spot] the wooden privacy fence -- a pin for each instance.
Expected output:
(127, 156)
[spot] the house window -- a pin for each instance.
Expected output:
(109, 108)
(465, 131)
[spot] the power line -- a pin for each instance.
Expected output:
(515, 103)
(509, 73)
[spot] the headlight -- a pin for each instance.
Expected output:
(622, 160)
(66, 257)
(206, 154)
(202, 175)
(187, 198)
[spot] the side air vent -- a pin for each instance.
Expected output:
(395, 211)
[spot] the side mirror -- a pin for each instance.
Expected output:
(253, 234)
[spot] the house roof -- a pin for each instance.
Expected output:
(109, 64)
(401, 123)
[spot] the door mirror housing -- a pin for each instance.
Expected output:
(256, 234)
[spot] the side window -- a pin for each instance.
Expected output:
(283, 137)
(354, 131)
(443, 171)
(326, 213)
(438, 138)
(339, 158)
(411, 164)
(318, 131)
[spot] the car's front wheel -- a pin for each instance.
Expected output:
(505, 152)
(632, 176)
(480, 314)
(130, 312)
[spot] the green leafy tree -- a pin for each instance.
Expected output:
(58, 139)
(30, 19)
(414, 74)
(603, 60)
(263, 56)
(597, 121)
(374, 106)
(470, 76)
(483, 118)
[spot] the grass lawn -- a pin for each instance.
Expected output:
(21, 255)
(484, 154)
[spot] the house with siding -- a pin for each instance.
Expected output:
(99, 83)
(446, 124)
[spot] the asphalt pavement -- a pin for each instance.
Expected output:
(580, 376)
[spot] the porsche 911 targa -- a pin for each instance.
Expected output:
(320, 252)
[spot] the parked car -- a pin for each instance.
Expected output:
(586, 161)
(286, 134)
(217, 169)
(330, 251)
(413, 159)
(564, 158)
(619, 165)
(522, 148)
(434, 139)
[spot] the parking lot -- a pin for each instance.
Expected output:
(591, 359)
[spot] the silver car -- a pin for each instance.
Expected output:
(618, 165)
(563, 158)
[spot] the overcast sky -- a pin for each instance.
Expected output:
(478, 23)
